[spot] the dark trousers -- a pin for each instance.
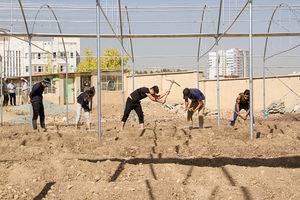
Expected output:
(5, 100)
(38, 110)
(12, 97)
(241, 106)
(133, 105)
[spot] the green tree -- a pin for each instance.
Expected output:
(112, 60)
(89, 64)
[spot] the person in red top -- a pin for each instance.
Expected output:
(133, 102)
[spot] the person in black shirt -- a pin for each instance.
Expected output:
(83, 101)
(133, 102)
(36, 100)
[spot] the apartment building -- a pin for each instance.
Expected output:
(48, 56)
(232, 63)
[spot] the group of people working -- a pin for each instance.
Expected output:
(197, 104)
(133, 102)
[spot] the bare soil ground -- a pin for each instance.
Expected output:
(166, 161)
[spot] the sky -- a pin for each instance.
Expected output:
(169, 17)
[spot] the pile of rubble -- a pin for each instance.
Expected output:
(279, 107)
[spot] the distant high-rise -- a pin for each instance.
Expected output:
(232, 63)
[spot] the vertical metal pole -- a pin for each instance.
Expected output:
(11, 17)
(1, 94)
(251, 72)
(218, 81)
(98, 69)
(122, 58)
(264, 88)
(67, 93)
(30, 74)
(198, 69)
(133, 116)
(122, 65)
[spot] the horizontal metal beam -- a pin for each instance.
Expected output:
(109, 36)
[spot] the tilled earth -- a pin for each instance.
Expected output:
(166, 161)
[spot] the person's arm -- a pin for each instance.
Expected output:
(237, 104)
(154, 98)
(33, 92)
(186, 103)
(161, 96)
(200, 103)
(248, 112)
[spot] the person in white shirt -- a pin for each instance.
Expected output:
(12, 92)
(24, 91)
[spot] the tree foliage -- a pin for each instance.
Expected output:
(111, 61)
(89, 64)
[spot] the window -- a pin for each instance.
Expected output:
(54, 55)
(72, 68)
(39, 56)
(46, 69)
(62, 68)
(34, 69)
(71, 54)
(55, 68)
(62, 54)
(33, 55)
(40, 69)
(27, 68)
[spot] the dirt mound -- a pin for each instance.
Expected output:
(165, 161)
(286, 117)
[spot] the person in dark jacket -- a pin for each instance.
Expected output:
(36, 100)
(83, 102)
(133, 102)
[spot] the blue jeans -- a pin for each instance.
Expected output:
(245, 107)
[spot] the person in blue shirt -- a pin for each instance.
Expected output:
(36, 100)
(197, 104)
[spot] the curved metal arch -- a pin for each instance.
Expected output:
(57, 22)
(269, 28)
(201, 27)
(64, 46)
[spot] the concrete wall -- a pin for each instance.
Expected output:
(230, 88)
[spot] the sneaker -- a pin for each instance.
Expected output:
(200, 127)
(232, 123)
(190, 127)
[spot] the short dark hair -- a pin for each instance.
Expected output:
(246, 92)
(155, 88)
(47, 79)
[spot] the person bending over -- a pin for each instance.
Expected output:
(133, 102)
(197, 104)
(36, 100)
(83, 102)
(242, 102)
